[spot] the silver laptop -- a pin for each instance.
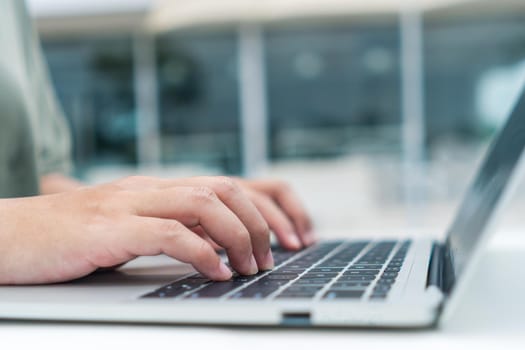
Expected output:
(391, 283)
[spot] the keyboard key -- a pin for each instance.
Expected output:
(349, 285)
(392, 269)
(177, 288)
(395, 264)
(245, 279)
(343, 294)
(267, 285)
(164, 294)
(334, 263)
(366, 267)
(215, 290)
(356, 278)
(287, 271)
(253, 293)
(382, 288)
(326, 269)
(294, 265)
(361, 273)
(389, 274)
(329, 275)
(187, 284)
(340, 288)
(294, 295)
(372, 262)
(384, 280)
(287, 277)
(197, 277)
(303, 288)
(313, 281)
(307, 286)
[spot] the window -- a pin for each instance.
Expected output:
(333, 89)
(199, 99)
(475, 69)
(94, 82)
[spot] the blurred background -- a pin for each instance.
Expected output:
(377, 112)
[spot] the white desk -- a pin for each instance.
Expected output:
(492, 316)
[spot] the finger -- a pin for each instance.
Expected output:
(199, 206)
(290, 203)
(278, 221)
(153, 236)
(236, 200)
(200, 231)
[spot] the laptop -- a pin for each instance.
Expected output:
(405, 283)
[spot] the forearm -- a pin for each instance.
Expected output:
(57, 183)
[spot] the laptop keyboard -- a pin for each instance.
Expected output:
(326, 271)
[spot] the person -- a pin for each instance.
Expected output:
(55, 229)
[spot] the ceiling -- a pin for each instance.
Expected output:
(60, 8)
(169, 14)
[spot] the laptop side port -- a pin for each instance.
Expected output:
(296, 319)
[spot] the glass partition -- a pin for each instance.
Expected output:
(94, 83)
(199, 99)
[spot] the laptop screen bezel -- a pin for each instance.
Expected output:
(488, 193)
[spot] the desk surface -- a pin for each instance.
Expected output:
(491, 316)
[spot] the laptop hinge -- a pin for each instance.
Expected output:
(440, 270)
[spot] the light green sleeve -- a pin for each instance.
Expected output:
(51, 131)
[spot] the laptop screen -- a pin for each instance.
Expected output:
(486, 191)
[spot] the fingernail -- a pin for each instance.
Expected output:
(310, 237)
(225, 271)
(294, 240)
(253, 266)
(268, 262)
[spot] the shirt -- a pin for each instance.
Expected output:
(34, 137)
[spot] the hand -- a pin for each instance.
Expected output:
(66, 236)
(280, 207)
(57, 183)
(275, 200)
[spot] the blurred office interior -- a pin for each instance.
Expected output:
(378, 112)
